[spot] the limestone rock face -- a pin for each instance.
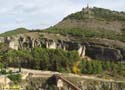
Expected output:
(104, 53)
(21, 42)
(65, 45)
(105, 49)
(28, 42)
(102, 49)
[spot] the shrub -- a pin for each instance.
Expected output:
(16, 78)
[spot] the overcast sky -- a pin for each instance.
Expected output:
(38, 14)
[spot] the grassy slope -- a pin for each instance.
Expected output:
(98, 23)
(15, 32)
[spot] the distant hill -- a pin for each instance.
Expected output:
(15, 32)
(88, 23)
(93, 22)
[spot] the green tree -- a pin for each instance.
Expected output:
(89, 67)
(16, 78)
(1, 66)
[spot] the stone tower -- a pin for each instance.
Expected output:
(87, 11)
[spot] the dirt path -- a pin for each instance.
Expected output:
(39, 73)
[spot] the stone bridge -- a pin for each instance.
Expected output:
(61, 81)
(57, 80)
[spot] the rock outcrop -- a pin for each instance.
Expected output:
(102, 49)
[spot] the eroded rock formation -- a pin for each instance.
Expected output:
(102, 49)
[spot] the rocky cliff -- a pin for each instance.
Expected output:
(102, 49)
(102, 31)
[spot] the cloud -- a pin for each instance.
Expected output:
(45, 13)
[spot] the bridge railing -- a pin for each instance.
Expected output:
(70, 84)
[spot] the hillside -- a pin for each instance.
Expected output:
(93, 22)
(15, 32)
(88, 23)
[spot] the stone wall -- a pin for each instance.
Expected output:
(83, 84)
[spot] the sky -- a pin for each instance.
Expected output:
(40, 14)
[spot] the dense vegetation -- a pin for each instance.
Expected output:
(89, 33)
(98, 67)
(41, 58)
(58, 60)
(16, 78)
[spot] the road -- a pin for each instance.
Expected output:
(39, 73)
